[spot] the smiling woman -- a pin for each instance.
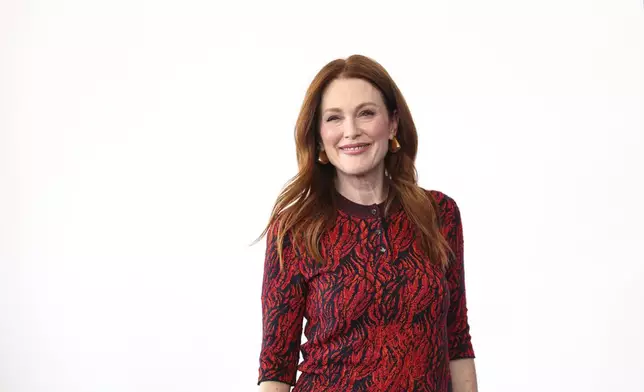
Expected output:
(355, 132)
(370, 259)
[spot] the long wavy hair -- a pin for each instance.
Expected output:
(306, 207)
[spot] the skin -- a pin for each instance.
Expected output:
(274, 386)
(463, 374)
(353, 111)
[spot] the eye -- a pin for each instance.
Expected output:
(332, 118)
(367, 112)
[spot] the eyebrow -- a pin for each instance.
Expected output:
(357, 107)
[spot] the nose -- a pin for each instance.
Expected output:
(351, 129)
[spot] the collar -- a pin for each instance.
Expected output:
(364, 210)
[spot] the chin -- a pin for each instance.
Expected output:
(355, 171)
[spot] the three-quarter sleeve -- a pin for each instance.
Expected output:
(458, 329)
(283, 302)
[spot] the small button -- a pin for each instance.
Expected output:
(373, 211)
(382, 249)
(378, 231)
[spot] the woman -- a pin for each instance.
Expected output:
(371, 260)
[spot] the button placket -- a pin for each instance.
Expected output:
(382, 249)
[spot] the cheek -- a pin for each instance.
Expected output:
(329, 136)
(379, 129)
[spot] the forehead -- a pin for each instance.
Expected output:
(348, 93)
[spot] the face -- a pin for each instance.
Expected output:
(355, 127)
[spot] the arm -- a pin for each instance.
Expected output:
(283, 301)
(463, 375)
(274, 386)
(461, 352)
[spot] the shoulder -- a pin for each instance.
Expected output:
(275, 228)
(437, 195)
(446, 203)
(446, 208)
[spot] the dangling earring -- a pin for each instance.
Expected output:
(395, 145)
(323, 158)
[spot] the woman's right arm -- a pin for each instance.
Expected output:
(283, 304)
(274, 386)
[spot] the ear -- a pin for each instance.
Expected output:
(394, 125)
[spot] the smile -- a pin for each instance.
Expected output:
(355, 148)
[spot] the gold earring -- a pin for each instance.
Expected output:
(323, 158)
(395, 145)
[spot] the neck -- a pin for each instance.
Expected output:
(370, 188)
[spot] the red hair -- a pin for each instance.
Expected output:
(306, 206)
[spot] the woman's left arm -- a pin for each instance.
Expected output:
(463, 375)
(461, 353)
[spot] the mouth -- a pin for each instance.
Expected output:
(355, 148)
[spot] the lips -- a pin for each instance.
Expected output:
(354, 147)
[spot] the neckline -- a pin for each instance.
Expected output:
(374, 210)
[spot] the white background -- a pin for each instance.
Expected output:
(142, 144)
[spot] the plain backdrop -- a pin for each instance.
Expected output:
(143, 143)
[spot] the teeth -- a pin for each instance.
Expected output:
(354, 148)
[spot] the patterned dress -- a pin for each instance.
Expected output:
(379, 316)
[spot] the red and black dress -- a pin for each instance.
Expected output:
(379, 316)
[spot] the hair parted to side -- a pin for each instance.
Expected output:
(306, 206)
